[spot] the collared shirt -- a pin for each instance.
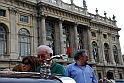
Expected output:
(55, 68)
(79, 74)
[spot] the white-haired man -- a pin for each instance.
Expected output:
(45, 52)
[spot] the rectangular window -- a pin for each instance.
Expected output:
(99, 75)
(120, 75)
(2, 12)
(113, 38)
(104, 36)
(93, 34)
(24, 18)
(1, 47)
(22, 49)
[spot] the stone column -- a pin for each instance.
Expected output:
(111, 49)
(119, 51)
(61, 36)
(90, 46)
(75, 37)
(13, 34)
(72, 40)
(42, 30)
(35, 28)
(101, 48)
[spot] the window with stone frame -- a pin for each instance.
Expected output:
(105, 36)
(50, 35)
(93, 34)
(80, 37)
(120, 75)
(95, 51)
(113, 38)
(99, 75)
(24, 18)
(2, 12)
(3, 39)
(66, 36)
(24, 42)
(115, 53)
(106, 52)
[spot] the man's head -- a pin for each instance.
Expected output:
(81, 56)
(43, 53)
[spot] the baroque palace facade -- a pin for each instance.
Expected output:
(26, 24)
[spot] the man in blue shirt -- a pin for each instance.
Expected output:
(80, 71)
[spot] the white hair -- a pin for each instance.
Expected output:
(48, 49)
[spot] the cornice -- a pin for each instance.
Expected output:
(55, 7)
(105, 25)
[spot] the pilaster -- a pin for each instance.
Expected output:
(13, 34)
(34, 28)
(89, 46)
(111, 49)
(101, 53)
(119, 51)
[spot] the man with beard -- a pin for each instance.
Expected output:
(80, 71)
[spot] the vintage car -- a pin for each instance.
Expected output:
(119, 80)
(32, 77)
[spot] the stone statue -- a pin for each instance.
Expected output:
(84, 3)
(72, 2)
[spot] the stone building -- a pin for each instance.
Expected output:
(26, 24)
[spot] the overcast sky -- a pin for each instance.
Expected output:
(112, 7)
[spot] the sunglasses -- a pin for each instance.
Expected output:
(25, 63)
(41, 56)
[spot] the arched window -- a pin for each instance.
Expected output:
(23, 42)
(115, 53)
(95, 51)
(106, 48)
(3, 39)
(50, 35)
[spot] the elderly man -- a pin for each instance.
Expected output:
(45, 52)
(80, 71)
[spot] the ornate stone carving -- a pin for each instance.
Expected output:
(109, 34)
(99, 31)
(61, 19)
(13, 10)
(43, 14)
(75, 23)
(34, 15)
